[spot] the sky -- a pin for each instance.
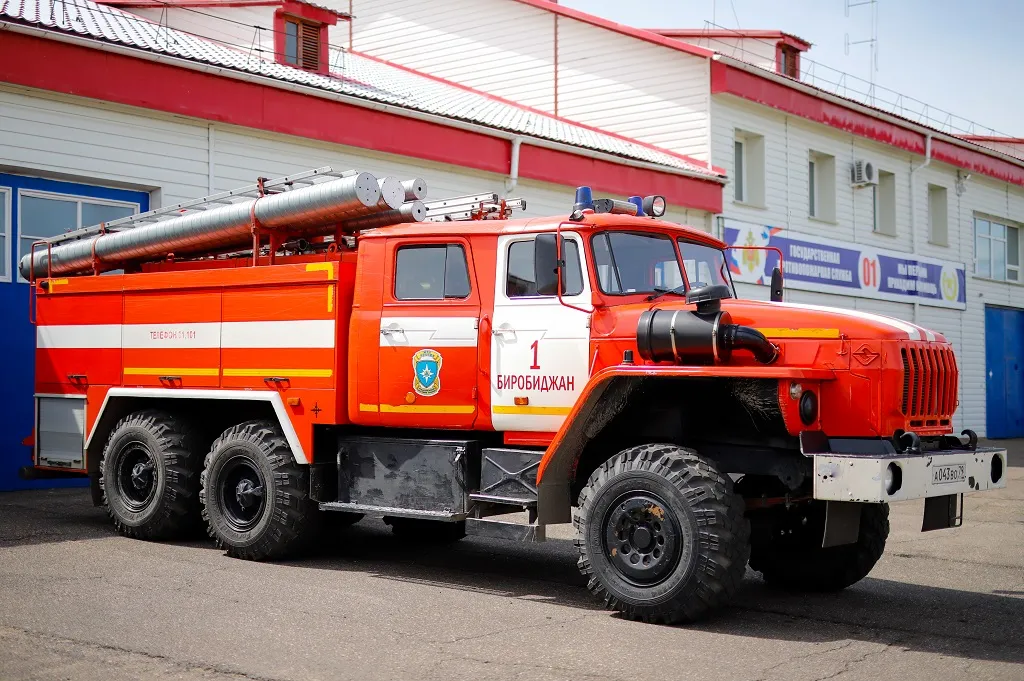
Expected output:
(963, 57)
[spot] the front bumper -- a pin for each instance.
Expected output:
(875, 478)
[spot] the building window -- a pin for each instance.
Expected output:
(302, 44)
(748, 168)
(938, 215)
(431, 272)
(821, 186)
(788, 63)
(996, 250)
(42, 215)
(5, 234)
(521, 279)
(885, 203)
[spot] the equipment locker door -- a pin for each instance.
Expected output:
(539, 346)
(428, 335)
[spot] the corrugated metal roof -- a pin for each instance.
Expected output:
(215, 3)
(353, 74)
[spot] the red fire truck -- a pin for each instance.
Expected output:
(328, 343)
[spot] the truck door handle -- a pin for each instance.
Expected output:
(390, 330)
(502, 330)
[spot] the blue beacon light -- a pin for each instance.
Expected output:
(584, 199)
(638, 201)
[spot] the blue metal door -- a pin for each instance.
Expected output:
(1004, 372)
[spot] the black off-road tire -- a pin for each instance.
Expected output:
(686, 509)
(801, 564)
(149, 476)
(280, 519)
(420, 531)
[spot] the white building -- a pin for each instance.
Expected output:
(933, 237)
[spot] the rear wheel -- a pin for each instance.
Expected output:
(787, 550)
(661, 536)
(255, 497)
(149, 476)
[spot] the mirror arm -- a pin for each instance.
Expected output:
(560, 265)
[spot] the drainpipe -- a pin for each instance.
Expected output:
(913, 209)
(513, 171)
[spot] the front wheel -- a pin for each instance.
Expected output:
(661, 536)
(255, 497)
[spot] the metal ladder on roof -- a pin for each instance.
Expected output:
(472, 207)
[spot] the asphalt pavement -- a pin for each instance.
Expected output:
(78, 601)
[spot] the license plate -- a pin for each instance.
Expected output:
(942, 475)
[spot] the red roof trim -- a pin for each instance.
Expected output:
(787, 38)
(38, 62)
(640, 33)
(987, 138)
(541, 112)
(726, 79)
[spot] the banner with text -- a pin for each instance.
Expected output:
(830, 266)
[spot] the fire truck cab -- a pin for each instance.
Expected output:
(596, 368)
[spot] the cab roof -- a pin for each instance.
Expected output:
(591, 221)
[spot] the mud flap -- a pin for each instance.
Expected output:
(943, 512)
(842, 523)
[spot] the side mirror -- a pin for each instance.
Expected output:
(546, 264)
(777, 285)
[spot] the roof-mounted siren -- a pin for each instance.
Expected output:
(652, 206)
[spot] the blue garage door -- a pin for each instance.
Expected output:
(32, 208)
(1004, 371)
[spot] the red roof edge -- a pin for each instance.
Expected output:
(989, 138)
(540, 112)
(780, 36)
(639, 33)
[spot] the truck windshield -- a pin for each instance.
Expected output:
(705, 265)
(635, 262)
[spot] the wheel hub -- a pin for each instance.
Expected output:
(642, 539)
(247, 493)
(241, 491)
(142, 474)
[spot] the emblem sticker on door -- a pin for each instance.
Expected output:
(426, 366)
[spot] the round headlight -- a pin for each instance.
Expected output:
(808, 408)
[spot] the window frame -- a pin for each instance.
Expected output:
(61, 196)
(740, 187)
(934, 190)
(581, 259)
(880, 204)
(434, 245)
(812, 187)
(604, 234)
(1005, 240)
(823, 184)
(6, 256)
(751, 176)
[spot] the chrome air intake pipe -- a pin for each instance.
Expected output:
(706, 336)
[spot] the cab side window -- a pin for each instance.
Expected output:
(433, 272)
(521, 280)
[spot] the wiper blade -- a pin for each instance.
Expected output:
(659, 292)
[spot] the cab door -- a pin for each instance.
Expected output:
(539, 346)
(428, 335)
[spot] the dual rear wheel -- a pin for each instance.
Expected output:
(249, 490)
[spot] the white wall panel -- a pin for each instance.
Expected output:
(500, 47)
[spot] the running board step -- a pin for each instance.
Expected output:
(500, 529)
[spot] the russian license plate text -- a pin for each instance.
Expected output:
(946, 474)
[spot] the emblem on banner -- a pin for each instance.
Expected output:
(950, 285)
(426, 366)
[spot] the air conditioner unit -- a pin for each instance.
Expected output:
(862, 173)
